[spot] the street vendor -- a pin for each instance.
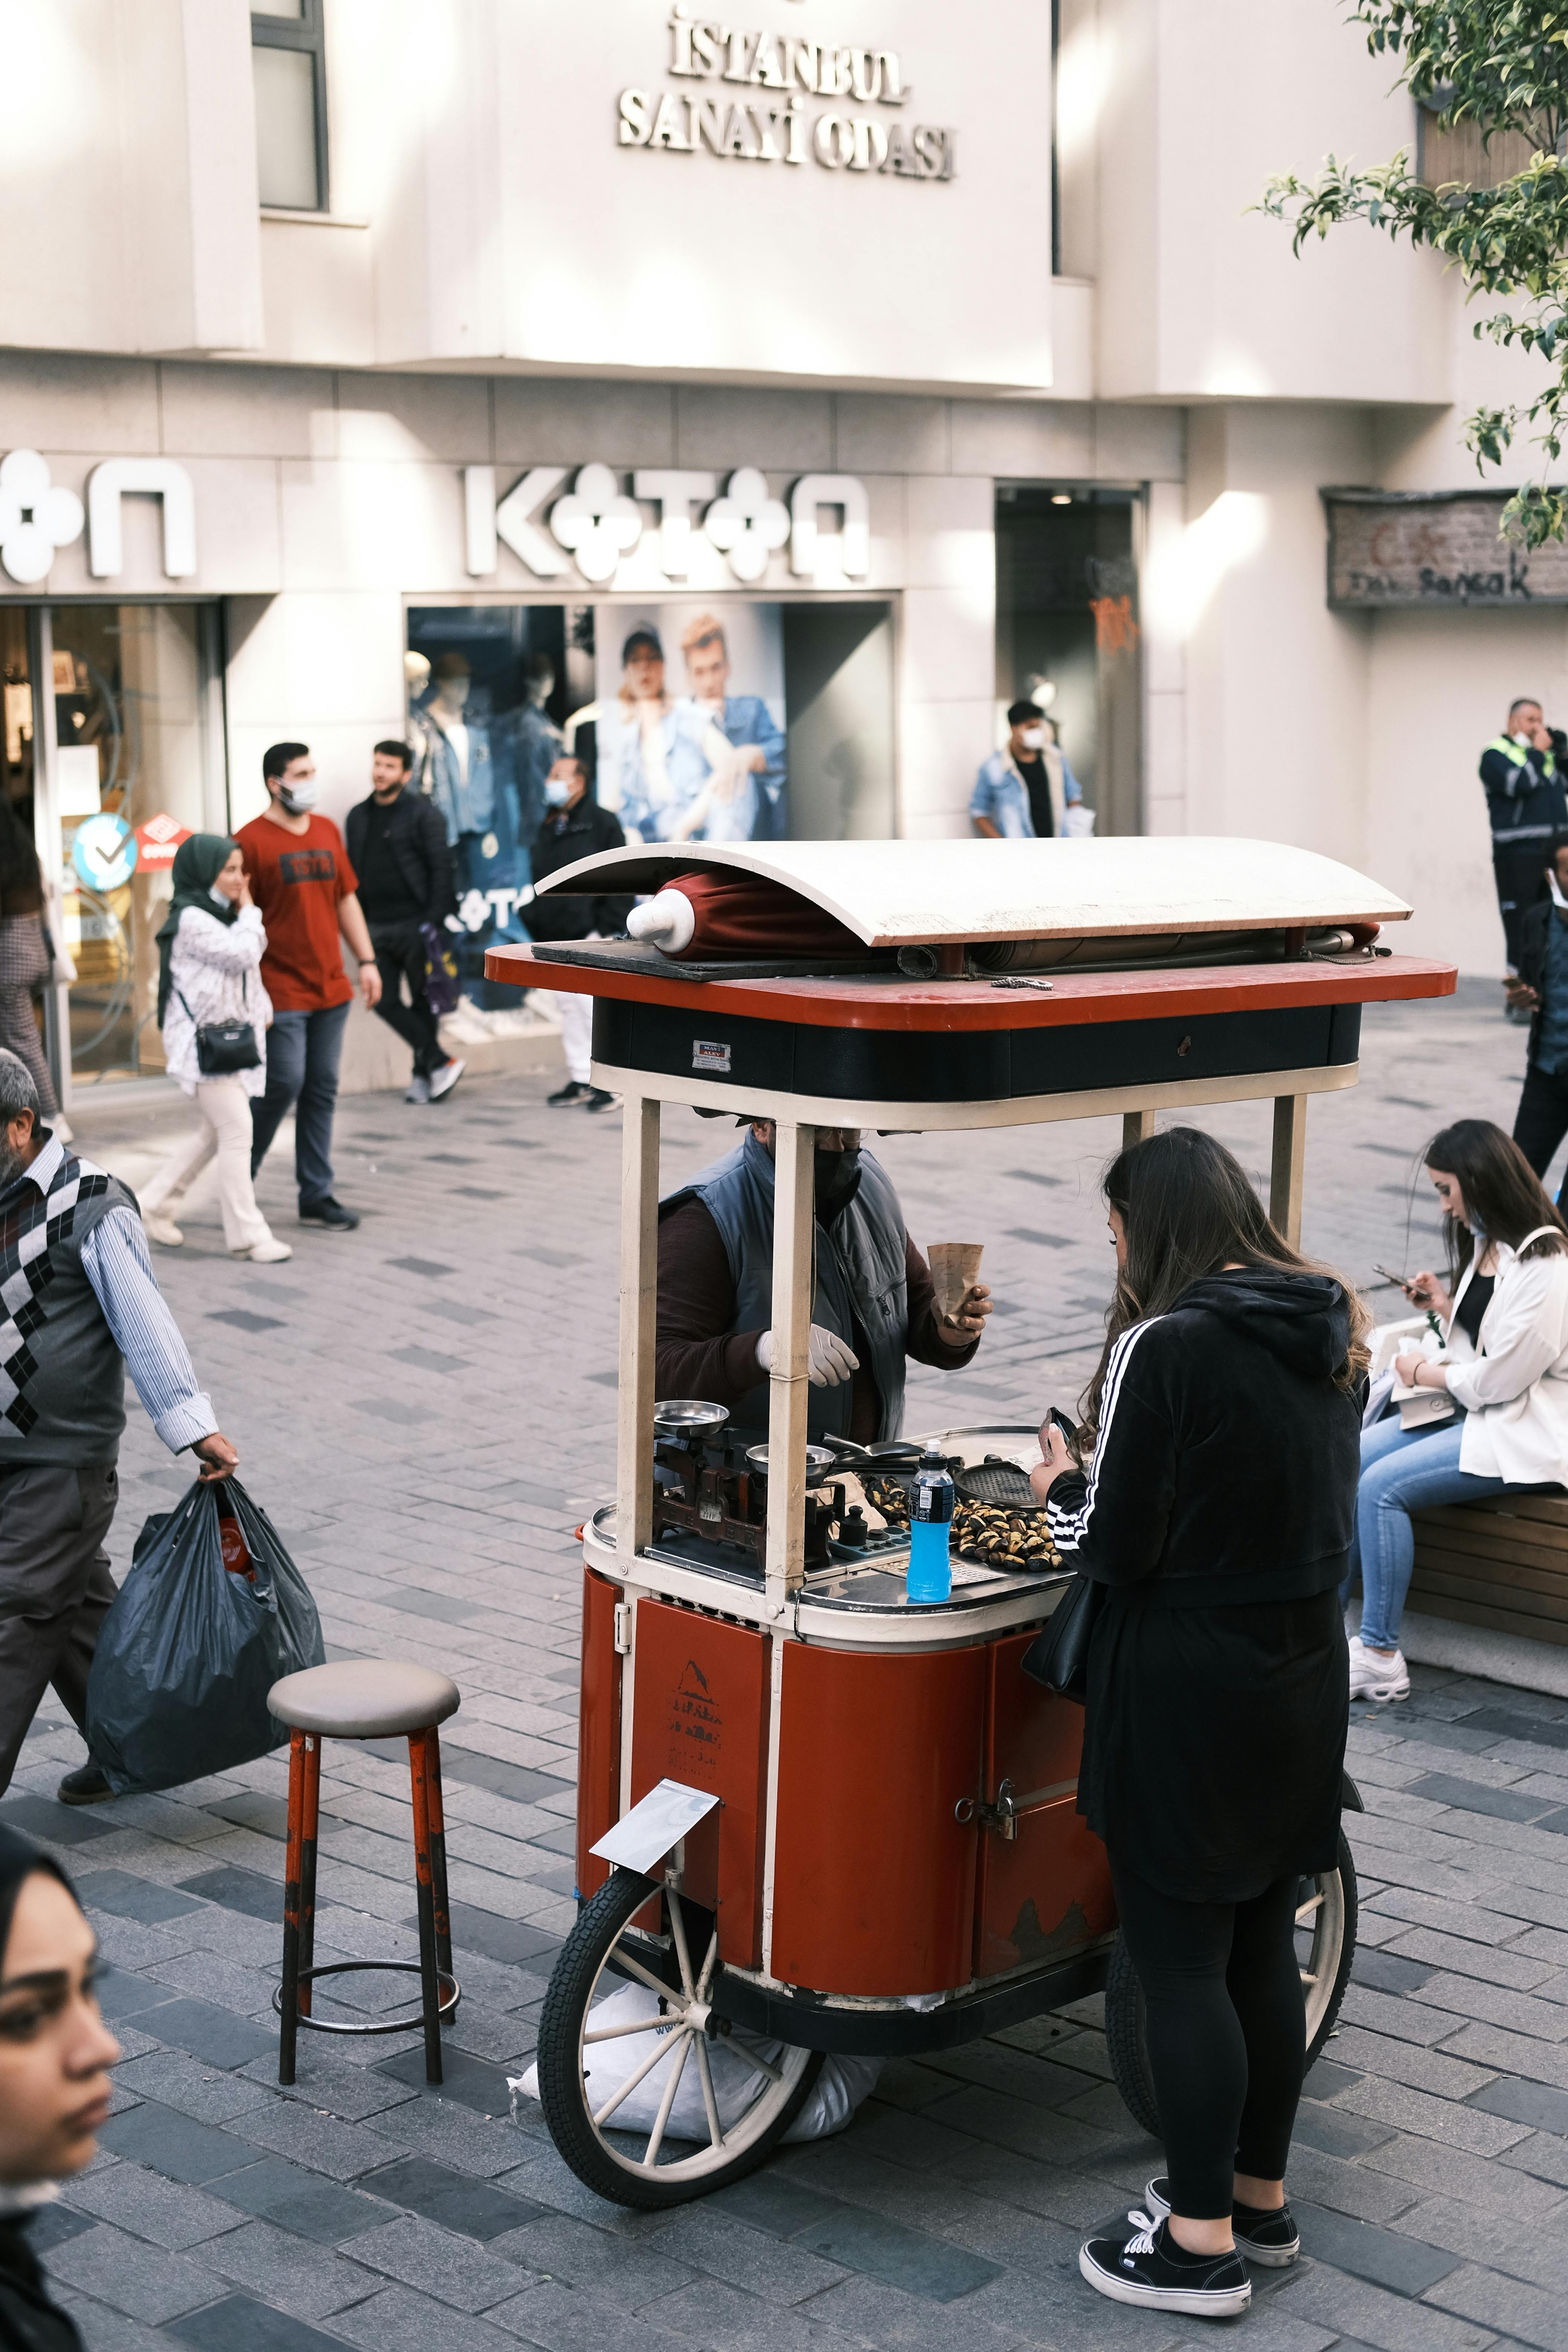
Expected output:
(873, 1300)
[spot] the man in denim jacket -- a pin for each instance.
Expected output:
(1018, 794)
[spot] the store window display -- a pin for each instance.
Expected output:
(487, 690)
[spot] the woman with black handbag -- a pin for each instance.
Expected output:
(1216, 1516)
(214, 1013)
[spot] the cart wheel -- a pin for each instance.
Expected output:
(1325, 1946)
(643, 2168)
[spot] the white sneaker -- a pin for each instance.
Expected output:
(443, 1080)
(1378, 1678)
(268, 1253)
(162, 1229)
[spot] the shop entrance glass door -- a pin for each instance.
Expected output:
(133, 753)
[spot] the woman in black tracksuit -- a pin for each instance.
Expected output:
(1217, 1514)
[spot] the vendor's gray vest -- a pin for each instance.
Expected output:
(62, 1377)
(857, 1277)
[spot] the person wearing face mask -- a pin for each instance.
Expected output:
(55, 2057)
(303, 882)
(574, 826)
(873, 1303)
(397, 847)
(1503, 1310)
(1523, 771)
(1018, 796)
(210, 950)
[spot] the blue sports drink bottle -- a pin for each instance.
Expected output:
(931, 1527)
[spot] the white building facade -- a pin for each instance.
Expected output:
(355, 346)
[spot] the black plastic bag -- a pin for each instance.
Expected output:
(190, 1647)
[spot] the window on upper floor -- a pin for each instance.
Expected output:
(288, 42)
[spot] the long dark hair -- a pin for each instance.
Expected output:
(1188, 1209)
(21, 888)
(1499, 1184)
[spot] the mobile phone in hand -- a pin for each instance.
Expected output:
(1069, 1428)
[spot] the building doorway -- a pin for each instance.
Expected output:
(1067, 633)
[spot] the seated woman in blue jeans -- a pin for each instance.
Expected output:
(1504, 1313)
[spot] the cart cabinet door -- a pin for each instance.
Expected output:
(598, 1730)
(699, 1714)
(1046, 1891)
(873, 1876)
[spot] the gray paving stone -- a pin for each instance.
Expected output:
(1537, 2104)
(130, 1897)
(281, 2267)
(324, 2143)
(1514, 2310)
(714, 2314)
(473, 2209)
(397, 2320)
(427, 2257)
(611, 2269)
(447, 2134)
(905, 2258)
(1361, 2312)
(1335, 2133)
(1457, 2124)
(300, 2201)
(173, 2144)
(108, 2331)
(239, 2323)
(167, 2212)
(147, 2281)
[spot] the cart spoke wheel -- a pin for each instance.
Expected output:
(734, 2118)
(1325, 1946)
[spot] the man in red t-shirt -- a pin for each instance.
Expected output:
(301, 880)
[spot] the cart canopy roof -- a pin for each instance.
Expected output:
(915, 892)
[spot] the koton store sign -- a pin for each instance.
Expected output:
(757, 110)
(690, 521)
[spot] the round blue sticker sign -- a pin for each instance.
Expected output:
(104, 852)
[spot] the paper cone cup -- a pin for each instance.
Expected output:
(955, 1266)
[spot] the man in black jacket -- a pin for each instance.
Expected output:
(1541, 991)
(574, 826)
(397, 847)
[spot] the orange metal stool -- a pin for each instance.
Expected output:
(365, 1698)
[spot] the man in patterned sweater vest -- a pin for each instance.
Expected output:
(81, 1309)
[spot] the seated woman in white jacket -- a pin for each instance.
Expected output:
(210, 946)
(1504, 1313)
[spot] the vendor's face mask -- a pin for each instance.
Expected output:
(837, 1180)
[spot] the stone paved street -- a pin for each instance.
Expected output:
(427, 1409)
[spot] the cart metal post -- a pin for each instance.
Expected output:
(1287, 1172)
(639, 1299)
(789, 1390)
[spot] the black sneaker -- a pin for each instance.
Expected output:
(1271, 2238)
(86, 1786)
(598, 1099)
(332, 1214)
(574, 1091)
(1151, 2270)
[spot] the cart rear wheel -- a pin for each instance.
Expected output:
(647, 2166)
(1325, 1946)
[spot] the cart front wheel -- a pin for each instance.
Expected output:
(657, 2102)
(1325, 1946)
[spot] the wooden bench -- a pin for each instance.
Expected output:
(1501, 1564)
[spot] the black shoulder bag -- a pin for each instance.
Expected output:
(1058, 1657)
(225, 1046)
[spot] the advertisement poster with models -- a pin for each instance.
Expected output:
(689, 709)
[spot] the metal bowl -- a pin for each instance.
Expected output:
(688, 1417)
(818, 1461)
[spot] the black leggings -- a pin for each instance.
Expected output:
(1227, 2033)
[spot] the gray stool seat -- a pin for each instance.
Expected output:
(363, 1698)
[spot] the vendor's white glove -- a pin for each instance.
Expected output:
(828, 1362)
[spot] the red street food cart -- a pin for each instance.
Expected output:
(811, 1817)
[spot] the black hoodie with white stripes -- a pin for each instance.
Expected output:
(1227, 1459)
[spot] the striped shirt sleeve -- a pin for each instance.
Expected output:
(114, 1259)
(1116, 1523)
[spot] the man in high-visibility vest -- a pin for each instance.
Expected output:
(1524, 772)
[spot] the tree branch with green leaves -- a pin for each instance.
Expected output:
(1501, 66)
